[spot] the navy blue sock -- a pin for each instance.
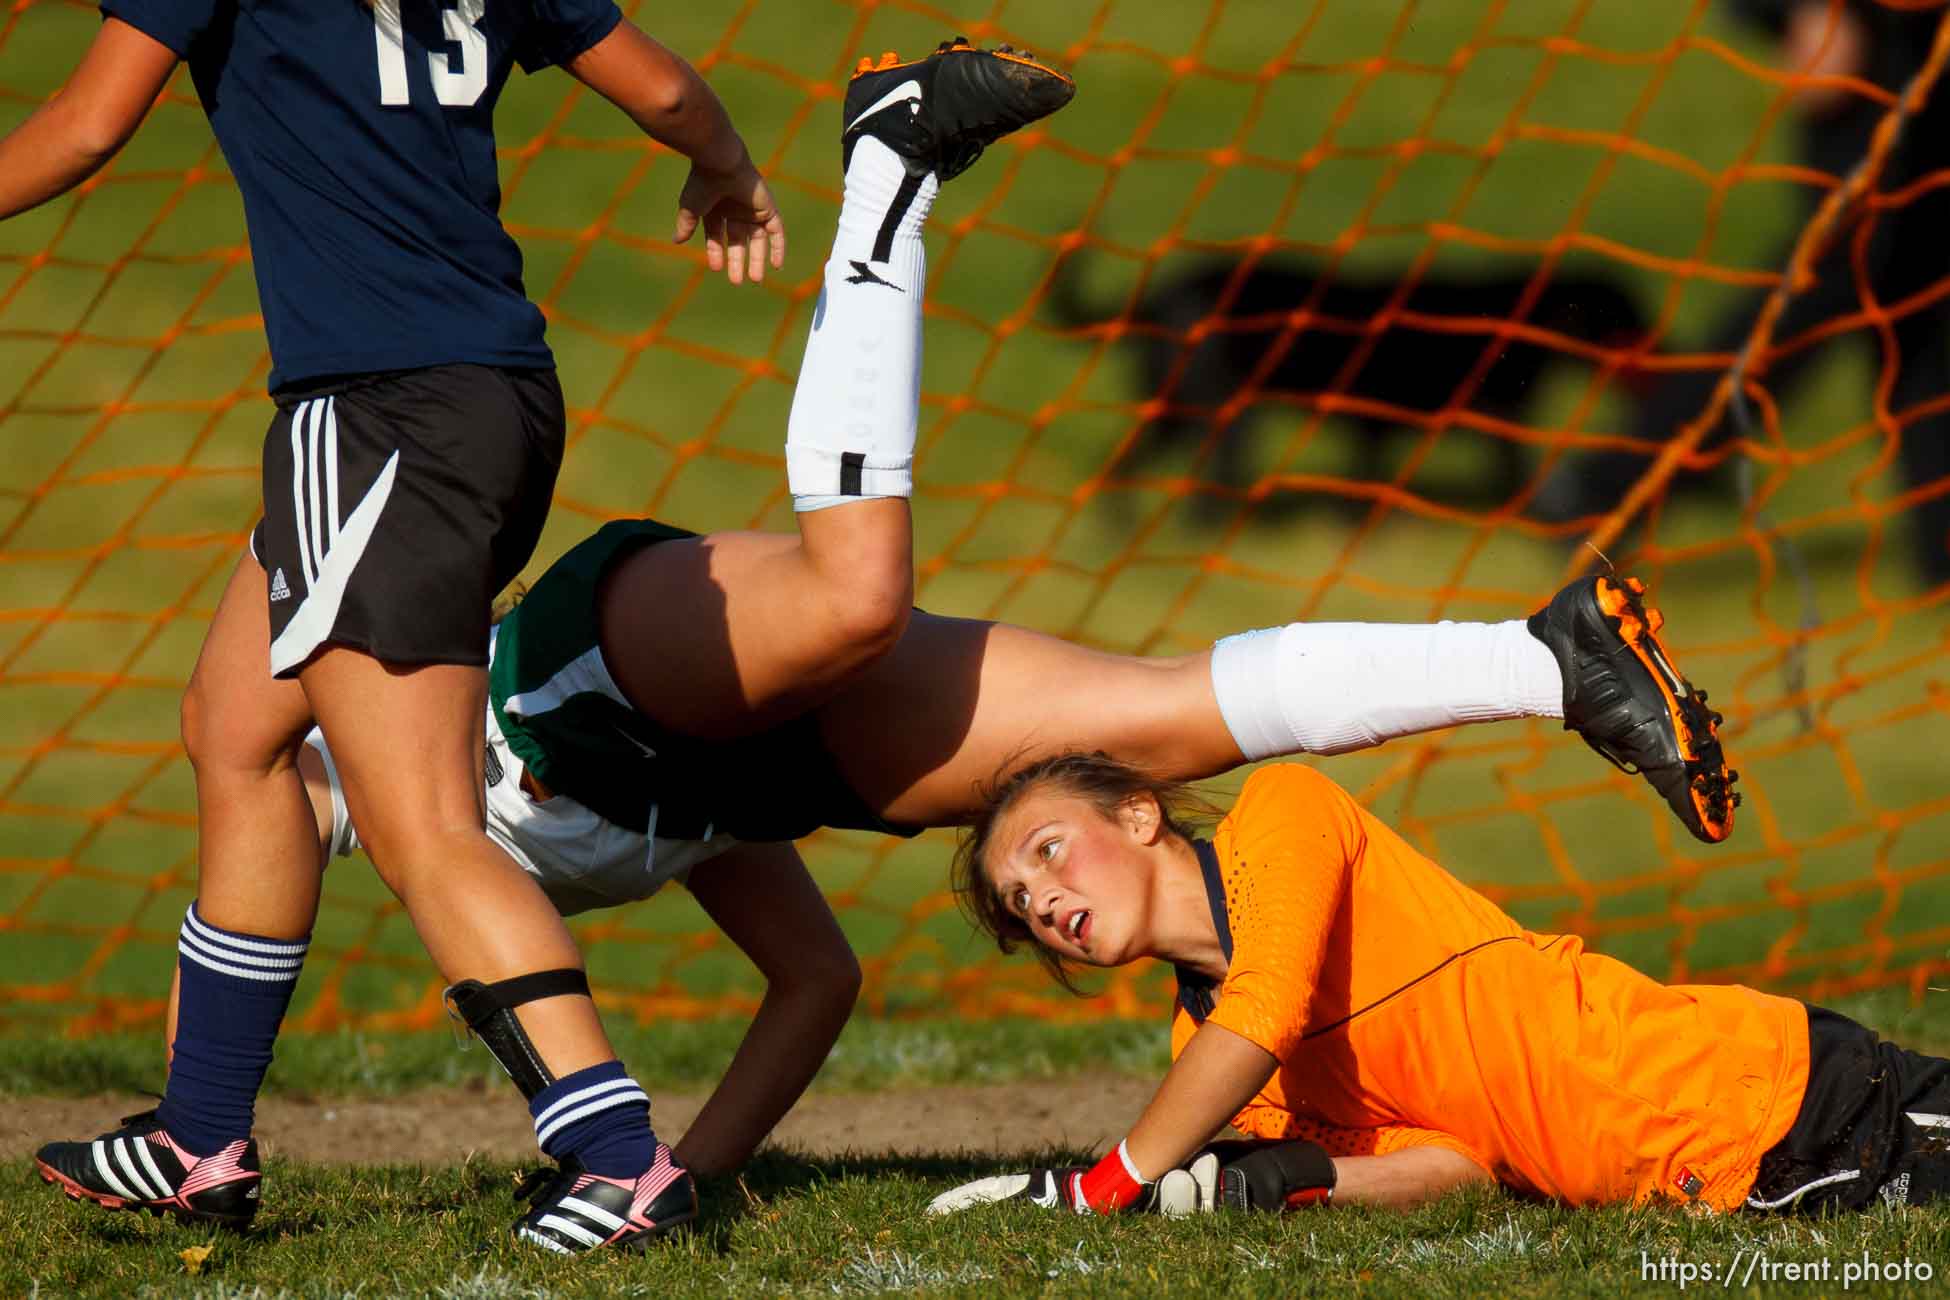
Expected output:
(234, 993)
(600, 1116)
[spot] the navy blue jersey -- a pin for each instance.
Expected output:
(362, 140)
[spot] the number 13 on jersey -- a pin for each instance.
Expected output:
(457, 82)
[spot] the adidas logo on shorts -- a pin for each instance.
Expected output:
(280, 589)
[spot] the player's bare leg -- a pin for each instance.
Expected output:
(413, 785)
(768, 630)
(257, 847)
(959, 700)
(921, 731)
(241, 944)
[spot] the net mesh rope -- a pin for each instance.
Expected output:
(1404, 144)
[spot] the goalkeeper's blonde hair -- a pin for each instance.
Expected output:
(1106, 784)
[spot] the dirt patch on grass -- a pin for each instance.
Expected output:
(442, 1126)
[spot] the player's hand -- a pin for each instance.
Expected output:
(1054, 1189)
(1261, 1175)
(742, 228)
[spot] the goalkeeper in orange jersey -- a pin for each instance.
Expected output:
(1387, 1034)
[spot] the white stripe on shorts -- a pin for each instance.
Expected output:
(298, 489)
(316, 531)
(1845, 1176)
(313, 622)
(331, 472)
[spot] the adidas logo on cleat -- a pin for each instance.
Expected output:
(280, 589)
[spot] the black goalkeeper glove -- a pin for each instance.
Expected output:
(1252, 1175)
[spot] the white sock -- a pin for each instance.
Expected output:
(857, 406)
(1326, 688)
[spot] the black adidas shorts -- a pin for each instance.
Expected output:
(1874, 1125)
(397, 506)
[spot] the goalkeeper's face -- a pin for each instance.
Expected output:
(1077, 879)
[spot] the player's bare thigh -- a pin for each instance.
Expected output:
(724, 635)
(236, 716)
(960, 701)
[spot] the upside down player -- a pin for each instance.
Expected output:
(1387, 1034)
(621, 755)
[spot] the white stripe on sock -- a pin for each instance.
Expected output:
(241, 972)
(544, 1132)
(581, 1095)
(286, 967)
(275, 947)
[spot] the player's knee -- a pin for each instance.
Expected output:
(870, 619)
(221, 735)
(404, 850)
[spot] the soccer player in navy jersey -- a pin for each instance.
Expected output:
(407, 472)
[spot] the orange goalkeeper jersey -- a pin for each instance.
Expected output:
(1406, 1009)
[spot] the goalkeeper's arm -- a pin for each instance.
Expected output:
(66, 140)
(1404, 1179)
(1278, 1174)
(766, 902)
(1216, 1074)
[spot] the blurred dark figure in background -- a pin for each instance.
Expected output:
(1413, 366)
(1908, 251)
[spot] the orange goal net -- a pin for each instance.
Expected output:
(1301, 310)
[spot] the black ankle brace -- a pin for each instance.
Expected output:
(488, 1012)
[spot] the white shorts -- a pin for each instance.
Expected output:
(581, 860)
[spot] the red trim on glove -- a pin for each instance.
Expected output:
(1110, 1185)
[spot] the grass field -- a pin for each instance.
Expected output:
(854, 1227)
(131, 412)
(837, 1224)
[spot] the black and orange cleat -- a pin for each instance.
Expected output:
(940, 112)
(140, 1167)
(1625, 697)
